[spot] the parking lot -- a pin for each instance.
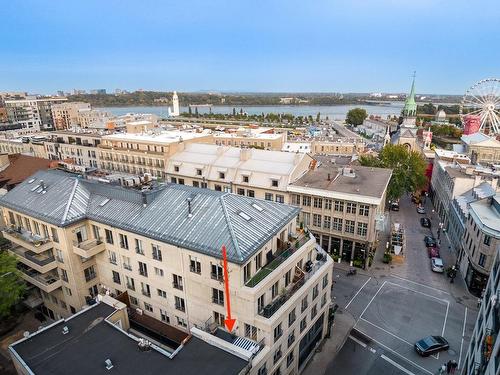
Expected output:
(396, 305)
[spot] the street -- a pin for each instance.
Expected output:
(393, 306)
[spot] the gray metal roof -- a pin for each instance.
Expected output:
(216, 218)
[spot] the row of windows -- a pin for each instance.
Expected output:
(330, 204)
(278, 332)
(40, 229)
(335, 224)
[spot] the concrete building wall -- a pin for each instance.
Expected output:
(484, 349)
(262, 303)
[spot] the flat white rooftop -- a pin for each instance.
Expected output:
(164, 137)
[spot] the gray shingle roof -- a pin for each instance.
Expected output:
(216, 216)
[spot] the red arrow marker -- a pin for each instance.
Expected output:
(229, 322)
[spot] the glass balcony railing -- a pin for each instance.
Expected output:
(308, 271)
(278, 258)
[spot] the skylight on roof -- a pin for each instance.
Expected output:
(104, 202)
(36, 187)
(31, 181)
(244, 216)
(257, 207)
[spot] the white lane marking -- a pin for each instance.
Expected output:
(462, 342)
(386, 331)
(399, 355)
(357, 341)
(423, 285)
(352, 299)
(416, 291)
(445, 318)
(375, 295)
(395, 364)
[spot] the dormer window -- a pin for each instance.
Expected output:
(274, 183)
(176, 168)
(222, 175)
(246, 178)
(198, 172)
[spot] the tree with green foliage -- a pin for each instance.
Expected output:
(356, 116)
(408, 169)
(427, 109)
(190, 111)
(196, 111)
(318, 117)
(11, 285)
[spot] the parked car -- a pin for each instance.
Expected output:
(430, 241)
(437, 265)
(420, 210)
(433, 252)
(430, 345)
(395, 206)
(425, 222)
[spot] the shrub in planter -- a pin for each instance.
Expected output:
(387, 258)
(357, 263)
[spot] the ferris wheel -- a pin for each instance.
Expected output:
(481, 103)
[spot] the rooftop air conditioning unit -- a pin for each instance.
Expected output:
(138, 311)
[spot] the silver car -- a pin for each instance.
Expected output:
(437, 265)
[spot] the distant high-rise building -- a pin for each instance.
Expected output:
(32, 112)
(174, 111)
(98, 91)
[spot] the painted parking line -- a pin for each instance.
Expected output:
(419, 292)
(420, 284)
(462, 342)
(357, 341)
(375, 295)
(352, 299)
(400, 355)
(397, 365)
(386, 331)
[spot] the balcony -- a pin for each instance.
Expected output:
(47, 282)
(42, 263)
(28, 240)
(279, 258)
(88, 248)
(310, 269)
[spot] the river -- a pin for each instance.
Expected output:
(335, 112)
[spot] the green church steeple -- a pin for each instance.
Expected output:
(410, 108)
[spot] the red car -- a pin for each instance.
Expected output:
(433, 252)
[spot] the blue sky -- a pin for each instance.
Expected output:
(255, 45)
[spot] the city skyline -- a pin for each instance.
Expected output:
(246, 47)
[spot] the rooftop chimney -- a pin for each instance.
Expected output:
(144, 198)
(109, 364)
(42, 185)
(329, 178)
(189, 207)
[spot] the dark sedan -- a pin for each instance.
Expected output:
(430, 241)
(425, 222)
(430, 345)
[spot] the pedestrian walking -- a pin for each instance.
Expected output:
(442, 369)
(448, 367)
(454, 366)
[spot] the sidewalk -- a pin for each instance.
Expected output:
(458, 289)
(342, 325)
